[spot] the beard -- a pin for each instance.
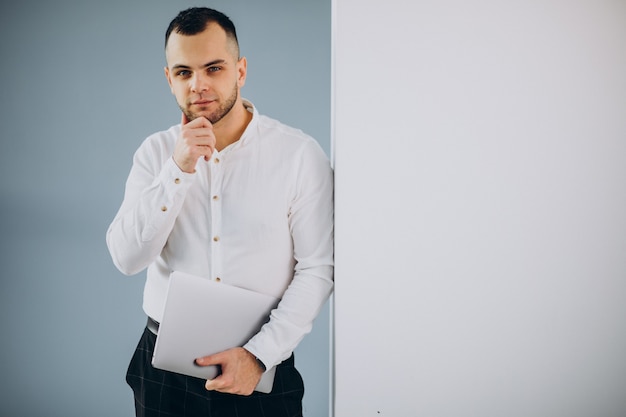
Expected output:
(218, 114)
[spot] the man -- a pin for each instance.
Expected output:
(234, 197)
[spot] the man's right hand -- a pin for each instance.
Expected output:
(196, 140)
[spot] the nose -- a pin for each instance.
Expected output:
(199, 83)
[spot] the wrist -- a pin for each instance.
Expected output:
(182, 168)
(257, 360)
(260, 363)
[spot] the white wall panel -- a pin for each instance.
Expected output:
(480, 162)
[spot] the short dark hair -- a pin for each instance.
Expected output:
(195, 19)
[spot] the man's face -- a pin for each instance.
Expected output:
(204, 73)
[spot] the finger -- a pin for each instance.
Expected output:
(199, 122)
(202, 142)
(226, 383)
(200, 132)
(207, 361)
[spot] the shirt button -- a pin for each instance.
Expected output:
(218, 279)
(217, 160)
(163, 208)
(216, 238)
(177, 181)
(215, 198)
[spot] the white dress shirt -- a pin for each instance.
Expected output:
(258, 214)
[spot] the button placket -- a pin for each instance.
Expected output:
(216, 217)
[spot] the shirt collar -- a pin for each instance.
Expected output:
(248, 134)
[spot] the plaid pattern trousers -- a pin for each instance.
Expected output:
(161, 393)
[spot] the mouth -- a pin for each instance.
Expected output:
(202, 102)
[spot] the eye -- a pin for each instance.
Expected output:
(214, 69)
(183, 73)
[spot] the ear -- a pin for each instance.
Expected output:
(242, 71)
(169, 78)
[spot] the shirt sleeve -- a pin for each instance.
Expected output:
(155, 192)
(311, 225)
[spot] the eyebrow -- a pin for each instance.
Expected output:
(208, 64)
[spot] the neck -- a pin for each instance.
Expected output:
(231, 127)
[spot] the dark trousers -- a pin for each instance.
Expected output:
(162, 393)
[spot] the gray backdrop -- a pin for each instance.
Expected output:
(82, 86)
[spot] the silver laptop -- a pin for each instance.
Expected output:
(203, 317)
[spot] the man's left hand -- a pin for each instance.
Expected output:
(241, 371)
